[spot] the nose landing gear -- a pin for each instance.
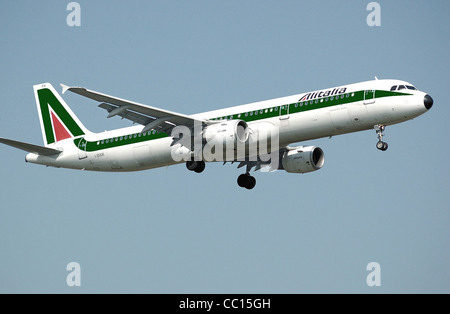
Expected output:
(380, 144)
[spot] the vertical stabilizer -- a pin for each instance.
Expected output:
(58, 122)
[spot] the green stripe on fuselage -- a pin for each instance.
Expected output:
(119, 140)
(250, 116)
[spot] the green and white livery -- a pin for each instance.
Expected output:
(255, 135)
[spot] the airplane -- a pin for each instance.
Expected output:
(162, 138)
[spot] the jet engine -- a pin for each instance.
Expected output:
(302, 159)
(226, 133)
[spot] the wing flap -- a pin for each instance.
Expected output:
(39, 150)
(127, 114)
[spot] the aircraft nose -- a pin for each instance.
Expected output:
(428, 101)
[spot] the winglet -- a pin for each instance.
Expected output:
(64, 87)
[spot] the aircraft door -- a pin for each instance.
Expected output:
(358, 113)
(340, 119)
(369, 96)
(82, 144)
(284, 112)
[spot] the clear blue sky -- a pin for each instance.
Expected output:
(170, 230)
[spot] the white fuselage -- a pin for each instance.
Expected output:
(298, 118)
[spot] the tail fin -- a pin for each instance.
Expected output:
(58, 122)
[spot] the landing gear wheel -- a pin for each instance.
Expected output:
(382, 146)
(251, 184)
(197, 166)
(200, 167)
(380, 129)
(191, 165)
(246, 181)
(243, 180)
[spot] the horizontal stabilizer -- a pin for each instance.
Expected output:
(39, 150)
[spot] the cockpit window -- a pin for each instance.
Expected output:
(400, 87)
(393, 88)
(411, 87)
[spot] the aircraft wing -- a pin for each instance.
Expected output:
(39, 150)
(151, 117)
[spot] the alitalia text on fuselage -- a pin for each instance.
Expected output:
(324, 93)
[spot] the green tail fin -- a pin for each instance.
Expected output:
(58, 122)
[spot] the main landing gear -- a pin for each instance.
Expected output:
(246, 181)
(196, 166)
(380, 144)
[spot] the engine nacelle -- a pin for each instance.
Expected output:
(226, 133)
(303, 159)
